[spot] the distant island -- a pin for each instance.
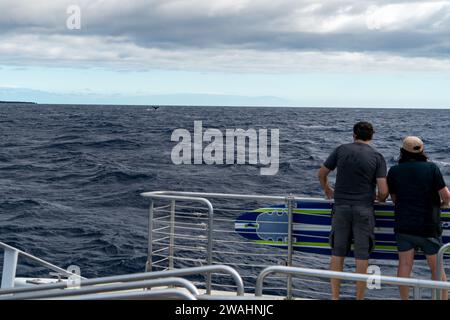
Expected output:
(21, 102)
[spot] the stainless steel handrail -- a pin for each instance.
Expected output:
(290, 204)
(11, 255)
(114, 287)
(174, 198)
(226, 196)
(417, 284)
(139, 277)
(290, 241)
(166, 294)
(235, 196)
(440, 267)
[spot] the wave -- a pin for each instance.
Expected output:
(66, 137)
(121, 176)
(19, 204)
(81, 232)
(4, 158)
(71, 176)
(61, 145)
(24, 216)
(114, 143)
(117, 143)
(17, 229)
(316, 127)
(7, 121)
(102, 245)
(107, 124)
(21, 167)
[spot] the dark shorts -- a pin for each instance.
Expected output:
(352, 224)
(429, 246)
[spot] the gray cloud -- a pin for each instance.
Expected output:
(128, 33)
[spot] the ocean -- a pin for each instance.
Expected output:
(71, 175)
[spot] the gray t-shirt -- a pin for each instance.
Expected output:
(358, 166)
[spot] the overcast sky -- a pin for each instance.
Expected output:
(306, 53)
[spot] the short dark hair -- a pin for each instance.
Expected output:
(363, 131)
(406, 156)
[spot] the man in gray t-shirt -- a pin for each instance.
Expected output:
(360, 169)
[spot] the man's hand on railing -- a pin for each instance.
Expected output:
(378, 200)
(329, 192)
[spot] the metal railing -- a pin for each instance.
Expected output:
(417, 284)
(170, 221)
(174, 238)
(173, 199)
(10, 260)
(122, 282)
(167, 294)
(440, 267)
(104, 289)
(187, 240)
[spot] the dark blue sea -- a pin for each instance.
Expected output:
(71, 175)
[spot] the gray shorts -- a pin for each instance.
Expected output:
(429, 246)
(352, 224)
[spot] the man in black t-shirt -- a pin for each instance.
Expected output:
(360, 168)
(418, 191)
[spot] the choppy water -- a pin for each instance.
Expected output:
(70, 176)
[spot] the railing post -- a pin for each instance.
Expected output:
(9, 268)
(209, 257)
(148, 267)
(172, 235)
(290, 242)
(440, 267)
(417, 293)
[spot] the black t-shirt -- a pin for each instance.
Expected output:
(358, 166)
(417, 208)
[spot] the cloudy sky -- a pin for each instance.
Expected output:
(283, 52)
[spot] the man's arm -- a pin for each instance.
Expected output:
(394, 197)
(323, 178)
(445, 197)
(383, 190)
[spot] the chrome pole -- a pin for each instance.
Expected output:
(290, 206)
(220, 269)
(437, 294)
(417, 294)
(9, 267)
(210, 249)
(148, 267)
(172, 235)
